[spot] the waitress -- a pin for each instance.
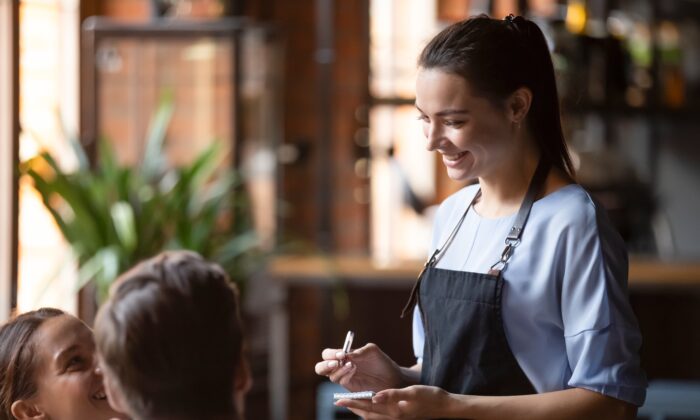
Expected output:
(522, 309)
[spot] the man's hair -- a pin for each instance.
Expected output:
(17, 362)
(170, 334)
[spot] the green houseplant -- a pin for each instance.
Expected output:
(114, 215)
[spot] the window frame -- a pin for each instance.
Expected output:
(9, 144)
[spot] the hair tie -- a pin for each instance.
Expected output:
(513, 21)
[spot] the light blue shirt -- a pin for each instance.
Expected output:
(566, 313)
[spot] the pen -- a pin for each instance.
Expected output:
(348, 344)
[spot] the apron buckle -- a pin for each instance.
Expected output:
(507, 252)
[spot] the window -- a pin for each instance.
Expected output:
(406, 180)
(48, 108)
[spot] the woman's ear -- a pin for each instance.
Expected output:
(26, 410)
(519, 104)
(244, 379)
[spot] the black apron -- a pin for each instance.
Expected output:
(466, 351)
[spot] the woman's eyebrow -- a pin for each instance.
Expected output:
(445, 112)
(65, 353)
(451, 111)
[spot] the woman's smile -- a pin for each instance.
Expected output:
(452, 160)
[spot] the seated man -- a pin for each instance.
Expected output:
(170, 343)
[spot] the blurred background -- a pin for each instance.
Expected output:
(279, 138)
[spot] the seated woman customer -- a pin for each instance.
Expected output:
(48, 369)
(170, 343)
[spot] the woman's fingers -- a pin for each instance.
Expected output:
(335, 365)
(370, 416)
(383, 397)
(325, 368)
(330, 354)
(361, 351)
(365, 405)
(365, 409)
(332, 360)
(343, 374)
(393, 396)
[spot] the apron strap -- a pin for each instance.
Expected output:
(513, 238)
(413, 298)
(435, 257)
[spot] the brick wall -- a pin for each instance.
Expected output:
(349, 218)
(351, 74)
(299, 192)
(125, 9)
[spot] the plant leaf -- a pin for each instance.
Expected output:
(153, 161)
(123, 221)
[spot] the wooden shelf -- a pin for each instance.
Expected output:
(355, 269)
(654, 272)
(363, 271)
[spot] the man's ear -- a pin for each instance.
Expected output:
(115, 397)
(26, 410)
(519, 104)
(241, 385)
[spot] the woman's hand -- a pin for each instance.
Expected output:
(426, 402)
(416, 402)
(365, 369)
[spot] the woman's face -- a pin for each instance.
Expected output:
(69, 385)
(472, 134)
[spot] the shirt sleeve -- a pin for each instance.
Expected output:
(601, 332)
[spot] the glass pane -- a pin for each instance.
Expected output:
(133, 76)
(261, 90)
(398, 31)
(48, 101)
(403, 185)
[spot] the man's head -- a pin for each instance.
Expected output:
(170, 341)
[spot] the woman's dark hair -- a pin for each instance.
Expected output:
(170, 334)
(498, 57)
(17, 363)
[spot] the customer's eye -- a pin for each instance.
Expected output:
(75, 362)
(453, 123)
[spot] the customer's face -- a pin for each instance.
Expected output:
(69, 385)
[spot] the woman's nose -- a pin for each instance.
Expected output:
(434, 136)
(97, 369)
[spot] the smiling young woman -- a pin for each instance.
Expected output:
(522, 310)
(48, 369)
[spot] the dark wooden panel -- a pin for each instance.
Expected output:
(670, 325)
